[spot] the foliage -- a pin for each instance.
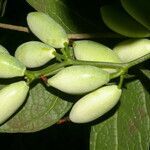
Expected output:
(127, 125)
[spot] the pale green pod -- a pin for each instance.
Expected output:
(117, 19)
(34, 54)
(10, 66)
(95, 104)
(132, 49)
(139, 10)
(11, 98)
(79, 79)
(46, 29)
(3, 50)
(92, 51)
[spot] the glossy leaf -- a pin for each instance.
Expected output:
(42, 109)
(119, 21)
(128, 127)
(71, 20)
(139, 10)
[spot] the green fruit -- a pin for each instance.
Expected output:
(34, 54)
(95, 104)
(132, 49)
(93, 51)
(79, 79)
(3, 50)
(139, 10)
(11, 98)
(10, 66)
(46, 29)
(119, 21)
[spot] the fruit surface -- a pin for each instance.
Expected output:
(92, 51)
(46, 29)
(34, 54)
(95, 104)
(79, 79)
(11, 98)
(132, 49)
(10, 66)
(3, 50)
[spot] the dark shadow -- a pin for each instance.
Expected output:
(57, 137)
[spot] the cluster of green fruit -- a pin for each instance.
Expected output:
(74, 79)
(130, 19)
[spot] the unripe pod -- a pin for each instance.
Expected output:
(46, 29)
(132, 49)
(93, 51)
(3, 50)
(95, 104)
(79, 79)
(10, 66)
(34, 54)
(11, 98)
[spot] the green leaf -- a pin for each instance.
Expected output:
(41, 110)
(146, 72)
(2, 7)
(129, 127)
(71, 20)
(139, 10)
(123, 23)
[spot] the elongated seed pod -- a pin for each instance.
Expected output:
(10, 66)
(79, 79)
(46, 29)
(11, 98)
(92, 51)
(132, 49)
(34, 54)
(3, 50)
(95, 104)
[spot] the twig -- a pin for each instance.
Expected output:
(79, 36)
(94, 36)
(14, 27)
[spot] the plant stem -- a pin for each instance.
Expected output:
(14, 27)
(78, 36)
(50, 70)
(97, 64)
(53, 69)
(121, 81)
(82, 36)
